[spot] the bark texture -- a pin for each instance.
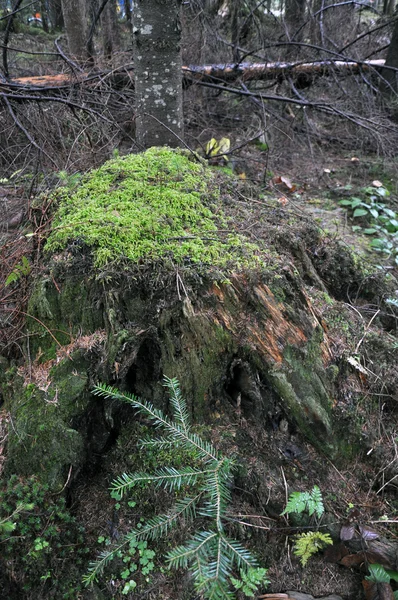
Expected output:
(74, 13)
(158, 80)
(391, 76)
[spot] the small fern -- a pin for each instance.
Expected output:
(209, 554)
(311, 502)
(250, 580)
(308, 544)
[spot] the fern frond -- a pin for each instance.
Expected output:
(315, 503)
(297, 503)
(308, 544)
(302, 501)
(179, 406)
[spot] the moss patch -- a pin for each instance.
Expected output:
(44, 440)
(160, 204)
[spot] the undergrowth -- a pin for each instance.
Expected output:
(41, 544)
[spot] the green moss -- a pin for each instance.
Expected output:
(43, 440)
(144, 207)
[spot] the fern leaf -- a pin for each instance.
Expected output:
(302, 501)
(308, 544)
(315, 503)
(180, 411)
(297, 503)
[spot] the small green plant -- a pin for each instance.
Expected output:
(212, 557)
(69, 180)
(250, 580)
(135, 557)
(378, 574)
(308, 544)
(21, 269)
(311, 502)
(41, 543)
(383, 221)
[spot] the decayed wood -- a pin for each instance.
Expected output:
(202, 73)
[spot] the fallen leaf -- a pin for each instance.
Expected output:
(354, 159)
(327, 171)
(347, 532)
(377, 591)
(368, 533)
(283, 200)
(353, 560)
(377, 183)
(335, 553)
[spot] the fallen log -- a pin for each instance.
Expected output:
(200, 74)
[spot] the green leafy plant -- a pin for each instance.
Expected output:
(210, 554)
(378, 574)
(250, 580)
(311, 502)
(42, 546)
(22, 269)
(308, 544)
(135, 557)
(383, 221)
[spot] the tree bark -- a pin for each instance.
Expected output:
(158, 80)
(110, 34)
(74, 12)
(294, 16)
(390, 83)
(56, 16)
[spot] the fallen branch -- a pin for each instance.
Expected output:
(206, 73)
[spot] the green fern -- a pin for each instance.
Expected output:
(311, 502)
(308, 544)
(209, 554)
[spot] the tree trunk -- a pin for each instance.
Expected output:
(110, 34)
(158, 81)
(390, 83)
(44, 16)
(294, 16)
(74, 12)
(127, 10)
(56, 16)
(388, 7)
